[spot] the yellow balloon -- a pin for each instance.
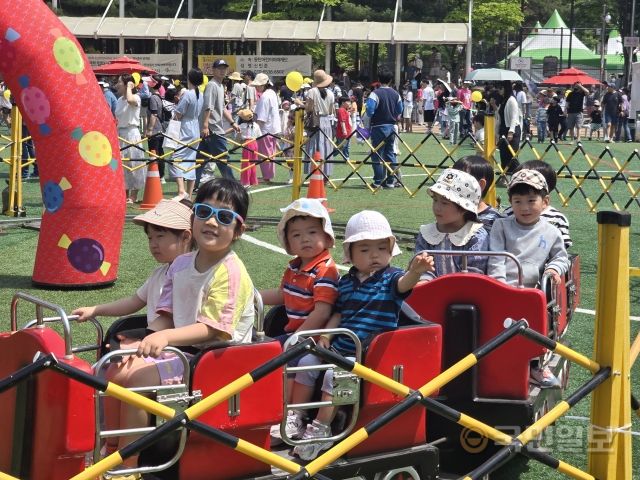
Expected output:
(476, 96)
(136, 78)
(205, 80)
(308, 80)
(176, 82)
(7, 94)
(294, 81)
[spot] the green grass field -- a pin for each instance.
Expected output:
(405, 213)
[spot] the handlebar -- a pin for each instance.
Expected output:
(480, 253)
(40, 319)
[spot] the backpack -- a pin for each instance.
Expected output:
(164, 115)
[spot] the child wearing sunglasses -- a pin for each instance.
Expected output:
(207, 296)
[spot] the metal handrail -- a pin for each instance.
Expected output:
(480, 253)
(99, 435)
(293, 340)
(40, 304)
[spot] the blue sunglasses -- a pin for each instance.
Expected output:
(224, 216)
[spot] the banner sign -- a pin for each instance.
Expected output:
(272, 65)
(163, 63)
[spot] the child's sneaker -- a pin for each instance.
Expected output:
(295, 427)
(543, 377)
(310, 451)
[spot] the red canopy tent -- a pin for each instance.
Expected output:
(569, 76)
(122, 65)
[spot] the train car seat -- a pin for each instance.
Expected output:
(48, 420)
(411, 355)
(504, 373)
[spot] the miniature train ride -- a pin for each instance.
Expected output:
(52, 427)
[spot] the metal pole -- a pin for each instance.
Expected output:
(602, 47)
(467, 63)
(121, 39)
(631, 34)
(561, 42)
(189, 42)
(609, 449)
(259, 42)
(571, 25)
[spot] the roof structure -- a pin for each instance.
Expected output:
(267, 30)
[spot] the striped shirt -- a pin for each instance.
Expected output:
(488, 216)
(555, 218)
(221, 297)
(368, 307)
(304, 286)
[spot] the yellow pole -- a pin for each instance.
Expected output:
(489, 148)
(297, 154)
(15, 170)
(609, 441)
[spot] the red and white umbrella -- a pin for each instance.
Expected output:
(121, 66)
(569, 76)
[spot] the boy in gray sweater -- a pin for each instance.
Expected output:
(536, 243)
(532, 239)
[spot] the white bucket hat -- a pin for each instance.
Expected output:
(304, 207)
(368, 225)
(460, 188)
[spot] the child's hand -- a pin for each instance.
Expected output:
(555, 276)
(323, 341)
(152, 345)
(422, 263)
(84, 313)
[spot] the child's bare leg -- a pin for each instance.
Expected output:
(326, 414)
(301, 393)
(140, 374)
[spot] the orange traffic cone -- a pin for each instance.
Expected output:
(316, 183)
(152, 187)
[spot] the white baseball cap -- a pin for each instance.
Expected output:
(304, 207)
(460, 188)
(367, 225)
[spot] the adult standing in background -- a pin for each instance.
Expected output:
(611, 101)
(575, 105)
(237, 91)
(212, 130)
(428, 104)
(320, 102)
(109, 97)
(510, 128)
(188, 112)
(384, 106)
(128, 119)
(250, 95)
(154, 122)
(267, 114)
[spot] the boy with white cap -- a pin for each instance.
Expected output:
(369, 301)
(533, 240)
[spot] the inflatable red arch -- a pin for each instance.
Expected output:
(77, 147)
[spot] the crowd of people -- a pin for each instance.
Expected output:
(202, 292)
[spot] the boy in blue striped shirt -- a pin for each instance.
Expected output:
(369, 300)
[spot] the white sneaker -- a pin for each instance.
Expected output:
(294, 428)
(544, 378)
(310, 451)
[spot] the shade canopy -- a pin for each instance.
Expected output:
(493, 75)
(268, 30)
(569, 76)
(121, 66)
